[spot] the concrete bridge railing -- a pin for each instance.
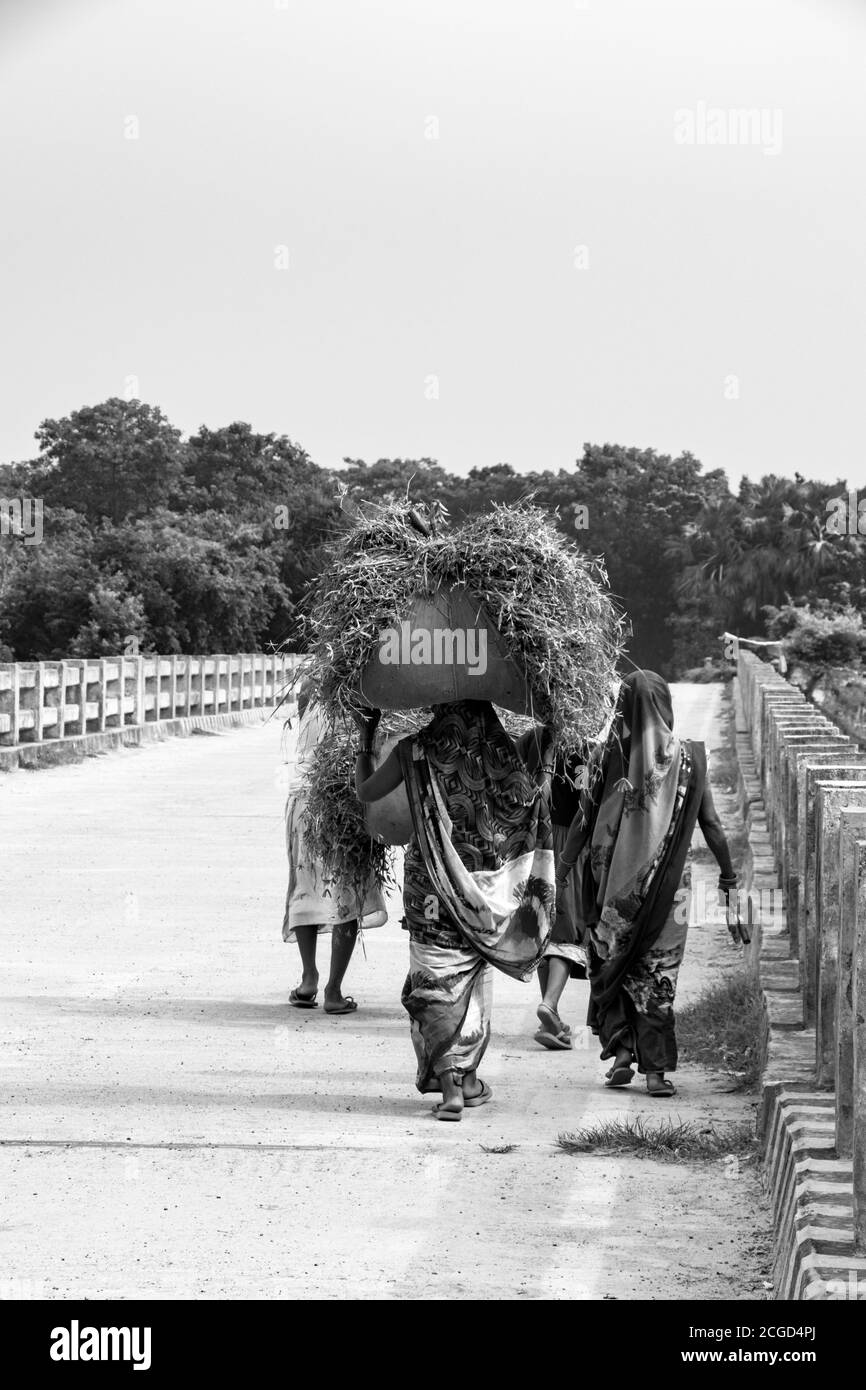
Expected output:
(813, 788)
(53, 701)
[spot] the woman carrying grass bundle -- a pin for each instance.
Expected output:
(313, 904)
(630, 843)
(478, 882)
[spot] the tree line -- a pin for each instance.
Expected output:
(208, 543)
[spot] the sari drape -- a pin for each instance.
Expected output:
(630, 843)
(311, 898)
(448, 996)
(479, 880)
(482, 827)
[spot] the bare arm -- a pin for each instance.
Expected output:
(372, 785)
(711, 828)
(578, 835)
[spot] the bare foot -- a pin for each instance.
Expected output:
(451, 1104)
(657, 1085)
(550, 1021)
(472, 1085)
(338, 1003)
(309, 986)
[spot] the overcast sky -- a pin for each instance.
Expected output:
(506, 231)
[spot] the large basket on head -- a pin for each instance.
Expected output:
(441, 649)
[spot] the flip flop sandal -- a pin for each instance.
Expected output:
(442, 1114)
(619, 1076)
(667, 1088)
(545, 1014)
(554, 1042)
(484, 1095)
(348, 1006)
(303, 1001)
(614, 1067)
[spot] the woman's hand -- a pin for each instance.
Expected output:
(559, 892)
(367, 722)
(727, 888)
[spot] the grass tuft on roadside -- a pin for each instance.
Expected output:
(722, 1029)
(670, 1140)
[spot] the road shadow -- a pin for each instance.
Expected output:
(215, 1012)
(104, 1099)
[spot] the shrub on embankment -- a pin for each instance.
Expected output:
(723, 1029)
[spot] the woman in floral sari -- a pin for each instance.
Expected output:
(630, 843)
(314, 905)
(478, 883)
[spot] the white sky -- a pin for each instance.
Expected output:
(304, 125)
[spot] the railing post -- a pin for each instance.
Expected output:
(61, 703)
(121, 691)
(193, 685)
(53, 681)
(15, 710)
(129, 689)
(149, 667)
(138, 711)
(162, 676)
(212, 670)
(172, 688)
(82, 692)
(230, 667)
(114, 690)
(39, 703)
(103, 693)
(202, 684)
(190, 679)
(218, 683)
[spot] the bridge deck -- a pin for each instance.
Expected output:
(222, 1144)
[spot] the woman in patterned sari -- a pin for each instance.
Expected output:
(478, 883)
(315, 905)
(630, 843)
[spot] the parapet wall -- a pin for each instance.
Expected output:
(803, 795)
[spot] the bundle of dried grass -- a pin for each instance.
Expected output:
(335, 833)
(549, 602)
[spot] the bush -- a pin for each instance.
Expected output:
(723, 1027)
(819, 637)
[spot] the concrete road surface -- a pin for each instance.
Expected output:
(172, 1129)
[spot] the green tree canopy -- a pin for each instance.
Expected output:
(113, 460)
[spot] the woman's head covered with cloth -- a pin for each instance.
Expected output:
(637, 790)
